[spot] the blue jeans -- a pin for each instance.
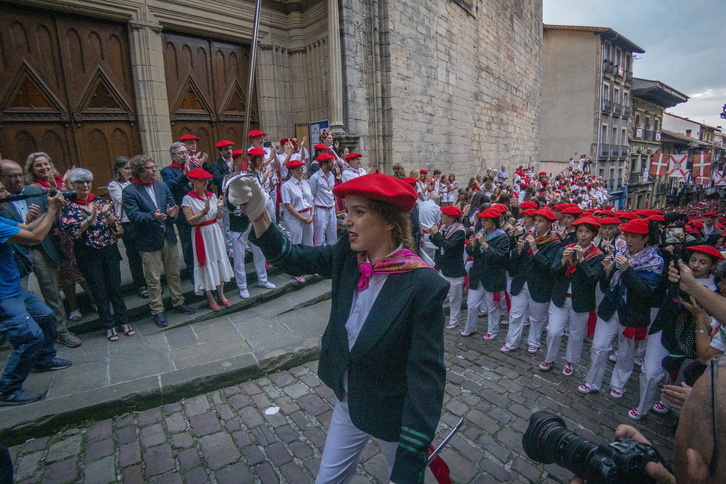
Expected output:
(30, 326)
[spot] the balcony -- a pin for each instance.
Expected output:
(619, 72)
(617, 109)
(624, 151)
(629, 76)
(614, 151)
(605, 150)
(608, 68)
(649, 135)
(607, 105)
(626, 111)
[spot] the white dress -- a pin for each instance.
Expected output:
(217, 269)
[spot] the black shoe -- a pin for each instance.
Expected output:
(55, 364)
(160, 320)
(20, 397)
(143, 292)
(184, 309)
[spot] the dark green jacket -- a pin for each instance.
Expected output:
(584, 281)
(490, 264)
(396, 373)
(535, 270)
(450, 253)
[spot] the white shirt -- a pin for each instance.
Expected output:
(321, 187)
(150, 191)
(350, 173)
(115, 189)
(429, 213)
(297, 194)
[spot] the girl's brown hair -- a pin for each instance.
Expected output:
(399, 221)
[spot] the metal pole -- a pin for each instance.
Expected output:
(253, 63)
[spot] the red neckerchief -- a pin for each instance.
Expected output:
(177, 165)
(201, 250)
(139, 182)
(56, 178)
(85, 203)
(548, 237)
(591, 252)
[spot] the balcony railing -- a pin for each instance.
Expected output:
(629, 76)
(626, 111)
(605, 150)
(624, 149)
(614, 150)
(635, 178)
(617, 109)
(649, 135)
(607, 105)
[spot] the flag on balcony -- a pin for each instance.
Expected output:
(702, 168)
(719, 179)
(677, 167)
(659, 164)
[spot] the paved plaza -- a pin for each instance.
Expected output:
(272, 428)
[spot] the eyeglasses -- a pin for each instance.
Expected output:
(716, 361)
(150, 168)
(16, 176)
(84, 182)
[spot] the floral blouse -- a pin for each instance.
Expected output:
(98, 235)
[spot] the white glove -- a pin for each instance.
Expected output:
(245, 192)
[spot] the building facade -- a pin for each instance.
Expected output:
(453, 84)
(586, 100)
(650, 99)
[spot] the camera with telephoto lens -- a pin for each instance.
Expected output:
(547, 440)
(65, 193)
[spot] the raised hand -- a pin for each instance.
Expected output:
(172, 210)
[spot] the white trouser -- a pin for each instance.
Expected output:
(227, 231)
(325, 226)
(559, 320)
(343, 448)
(523, 306)
(456, 291)
(652, 373)
(239, 242)
(474, 300)
(428, 247)
(503, 300)
(602, 342)
(300, 233)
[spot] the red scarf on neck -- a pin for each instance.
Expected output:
(201, 249)
(86, 202)
(177, 165)
(56, 178)
(590, 253)
(139, 182)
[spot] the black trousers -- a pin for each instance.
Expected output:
(102, 270)
(133, 256)
(6, 466)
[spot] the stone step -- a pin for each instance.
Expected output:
(272, 330)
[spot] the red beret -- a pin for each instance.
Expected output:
(607, 213)
(691, 229)
(255, 133)
(188, 137)
(609, 221)
(325, 157)
(587, 220)
(721, 226)
(321, 147)
(708, 250)
(490, 212)
(350, 156)
(199, 173)
(285, 140)
(237, 153)
(542, 173)
(637, 226)
(380, 187)
(501, 207)
(256, 152)
(524, 185)
(628, 215)
(710, 214)
(608, 207)
(696, 224)
(528, 204)
(546, 213)
(294, 163)
(529, 211)
(409, 179)
(656, 218)
(223, 143)
(561, 206)
(420, 171)
(452, 211)
(572, 210)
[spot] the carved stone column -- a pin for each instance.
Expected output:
(335, 100)
(147, 65)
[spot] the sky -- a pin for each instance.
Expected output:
(684, 43)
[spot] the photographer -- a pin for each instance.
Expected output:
(25, 322)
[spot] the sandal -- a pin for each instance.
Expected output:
(226, 303)
(113, 336)
(128, 330)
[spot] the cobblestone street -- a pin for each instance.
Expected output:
(234, 435)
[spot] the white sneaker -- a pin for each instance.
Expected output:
(244, 293)
(75, 315)
(638, 362)
(266, 285)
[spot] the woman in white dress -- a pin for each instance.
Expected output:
(211, 264)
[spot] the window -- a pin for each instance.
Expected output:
(616, 96)
(606, 92)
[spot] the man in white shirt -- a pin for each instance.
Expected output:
(429, 214)
(321, 185)
(353, 170)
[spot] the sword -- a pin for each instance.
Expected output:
(446, 440)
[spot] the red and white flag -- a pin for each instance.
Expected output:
(659, 164)
(719, 179)
(677, 167)
(702, 168)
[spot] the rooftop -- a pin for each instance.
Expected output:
(606, 33)
(657, 93)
